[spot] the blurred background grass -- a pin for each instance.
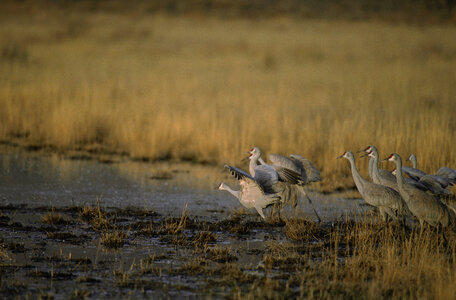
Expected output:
(206, 80)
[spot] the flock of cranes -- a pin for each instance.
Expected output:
(422, 196)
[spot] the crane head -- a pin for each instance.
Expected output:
(221, 186)
(392, 157)
(369, 153)
(255, 152)
(347, 154)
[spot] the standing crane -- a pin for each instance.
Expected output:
(424, 206)
(387, 200)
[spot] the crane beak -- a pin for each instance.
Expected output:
(364, 155)
(360, 151)
(340, 156)
(386, 159)
(245, 158)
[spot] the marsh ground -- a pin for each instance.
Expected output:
(85, 229)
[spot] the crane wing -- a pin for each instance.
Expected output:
(284, 162)
(433, 185)
(288, 171)
(247, 182)
(448, 173)
(413, 173)
(312, 173)
(267, 178)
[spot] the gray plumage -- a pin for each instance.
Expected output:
(378, 176)
(413, 172)
(424, 206)
(295, 171)
(433, 186)
(386, 199)
(421, 184)
(387, 178)
(448, 173)
(449, 201)
(252, 193)
(283, 174)
(417, 174)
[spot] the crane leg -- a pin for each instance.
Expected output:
(311, 204)
(445, 241)
(260, 211)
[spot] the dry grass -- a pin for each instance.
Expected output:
(219, 254)
(53, 218)
(175, 226)
(302, 230)
(114, 239)
(95, 216)
(207, 90)
(357, 261)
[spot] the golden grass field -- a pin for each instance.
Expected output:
(207, 89)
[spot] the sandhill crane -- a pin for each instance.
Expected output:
(252, 193)
(417, 174)
(387, 178)
(423, 205)
(296, 171)
(387, 200)
(378, 176)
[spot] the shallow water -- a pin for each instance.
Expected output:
(49, 180)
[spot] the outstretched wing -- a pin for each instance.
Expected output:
(287, 169)
(247, 182)
(267, 178)
(312, 173)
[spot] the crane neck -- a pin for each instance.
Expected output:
(252, 164)
(261, 161)
(414, 161)
(360, 182)
(399, 177)
(236, 194)
(371, 167)
(375, 170)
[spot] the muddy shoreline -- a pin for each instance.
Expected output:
(92, 252)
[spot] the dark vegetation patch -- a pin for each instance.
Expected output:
(68, 237)
(54, 218)
(51, 275)
(240, 257)
(114, 239)
(15, 247)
